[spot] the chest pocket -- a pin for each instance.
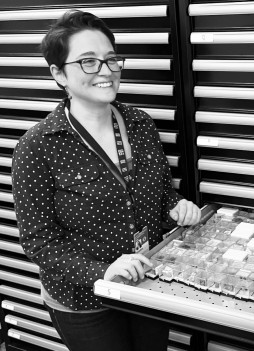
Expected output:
(148, 156)
(77, 176)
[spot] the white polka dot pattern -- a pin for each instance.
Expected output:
(74, 216)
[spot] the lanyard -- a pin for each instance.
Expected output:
(120, 150)
(123, 165)
(95, 146)
(122, 176)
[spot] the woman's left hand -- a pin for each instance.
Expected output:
(185, 213)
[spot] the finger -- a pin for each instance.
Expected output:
(174, 215)
(199, 215)
(139, 269)
(142, 259)
(123, 271)
(181, 213)
(132, 271)
(125, 274)
(114, 271)
(196, 214)
(190, 218)
(190, 215)
(125, 258)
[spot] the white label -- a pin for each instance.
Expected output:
(11, 320)
(112, 293)
(208, 142)
(7, 306)
(202, 37)
(13, 334)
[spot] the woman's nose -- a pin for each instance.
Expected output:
(104, 69)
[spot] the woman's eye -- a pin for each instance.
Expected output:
(112, 59)
(89, 62)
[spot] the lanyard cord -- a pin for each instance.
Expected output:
(120, 150)
(123, 165)
(123, 175)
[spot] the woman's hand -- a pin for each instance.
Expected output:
(185, 213)
(129, 267)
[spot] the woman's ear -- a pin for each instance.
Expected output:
(58, 75)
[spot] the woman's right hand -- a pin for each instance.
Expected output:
(129, 267)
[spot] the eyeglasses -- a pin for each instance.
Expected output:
(93, 65)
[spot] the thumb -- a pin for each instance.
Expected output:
(174, 215)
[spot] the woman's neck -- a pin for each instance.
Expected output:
(95, 117)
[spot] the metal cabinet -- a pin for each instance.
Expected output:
(146, 35)
(189, 64)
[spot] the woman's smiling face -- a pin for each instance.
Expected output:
(96, 88)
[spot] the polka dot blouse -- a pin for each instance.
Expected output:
(75, 218)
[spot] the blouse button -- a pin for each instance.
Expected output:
(149, 157)
(131, 226)
(78, 176)
(128, 203)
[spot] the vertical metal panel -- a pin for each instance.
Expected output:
(28, 93)
(222, 69)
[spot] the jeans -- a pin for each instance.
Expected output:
(109, 330)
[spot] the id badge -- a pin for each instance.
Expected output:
(141, 241)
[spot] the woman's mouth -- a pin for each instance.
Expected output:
(104, 85)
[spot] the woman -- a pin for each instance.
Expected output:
(89, 182)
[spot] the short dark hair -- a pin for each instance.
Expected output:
(55, 44)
